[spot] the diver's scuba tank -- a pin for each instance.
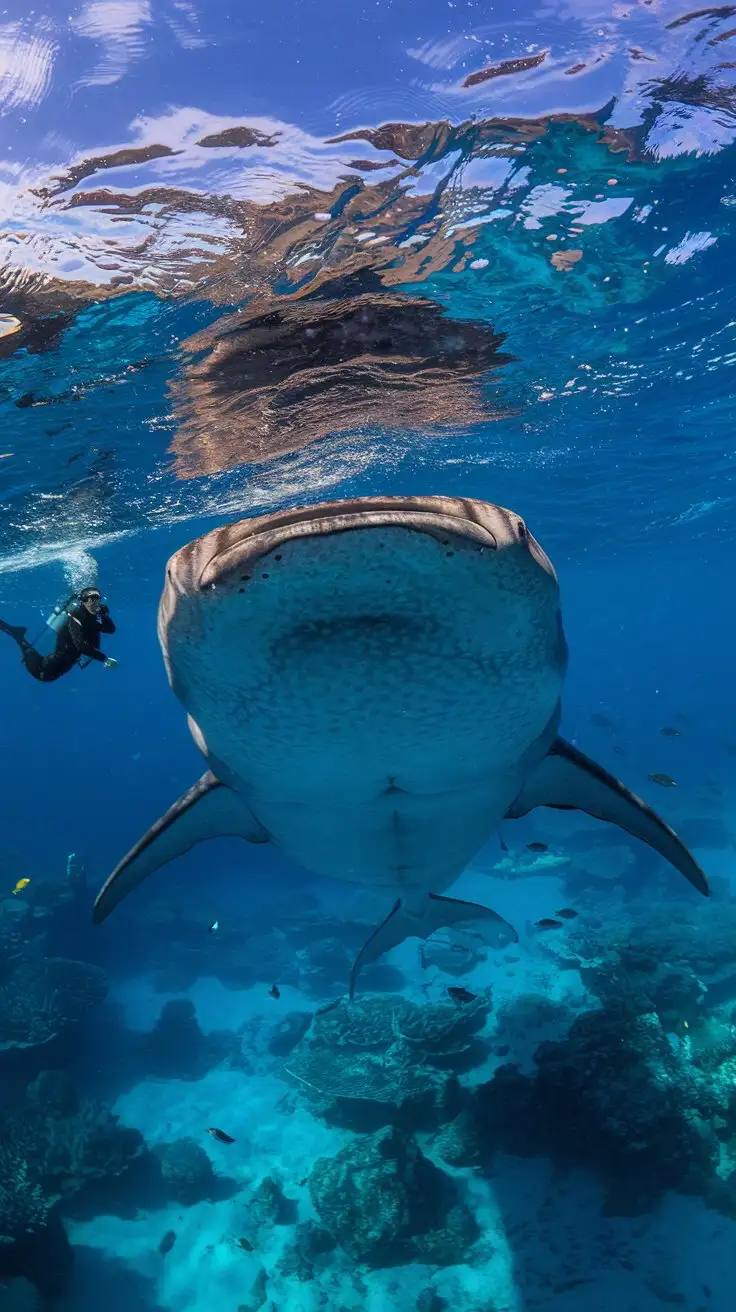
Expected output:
(60, 614)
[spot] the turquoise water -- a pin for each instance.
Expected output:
(253, 261)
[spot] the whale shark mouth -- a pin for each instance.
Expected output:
(295, 525)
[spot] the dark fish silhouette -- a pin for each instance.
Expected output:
(668, 732)
(274, 991)
(566, 913)
(167, 1243)
(245, 1244)
(220, 1135)
(548, 924)
(461, 995)
(663, 780)
(618, 750)
(602, 721)
(537, 847)
(504, 847)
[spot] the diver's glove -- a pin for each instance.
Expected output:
(110, 663)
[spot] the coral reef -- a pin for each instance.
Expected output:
(65, 1142)
(23, 1207)
(617, 1096)
(384, 1203)
(41, 997)
(33, 1243)
(384, 1060)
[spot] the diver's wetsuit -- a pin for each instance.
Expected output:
(78, 638)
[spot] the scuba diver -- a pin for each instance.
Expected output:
(77, 637)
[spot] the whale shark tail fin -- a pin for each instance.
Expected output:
(568, 780)
(208, 810)
(421, 920)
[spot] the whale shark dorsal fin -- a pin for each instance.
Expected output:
(424, 919)
(207, 810)
(568, 780)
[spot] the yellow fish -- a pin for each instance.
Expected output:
(22, 883)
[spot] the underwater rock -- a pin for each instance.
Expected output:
(269, 1205)
(176, 1047)
(460, 1143)
(258, 1294)
(289, 1032)
(187, 1171)
(41, 997)
(430, 1301)
(308, 1252)
(19, 1295)
(13, 911)
(384, 1202)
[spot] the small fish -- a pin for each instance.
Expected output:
(668, 732)
(537, 847)
(214, 927)
(220, 1135)
(566, 913)
(504, 846)
(461, 995)
(274, 991)
(548, 924)
(601, 721)
(167, 1243)
(22, 883)
(663, 780)
(245, 1244)
(301, 1183)
(618, 750)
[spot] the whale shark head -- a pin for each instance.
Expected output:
(343, 622)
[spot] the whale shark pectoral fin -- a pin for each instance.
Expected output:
(208, 810)
(568, 780)
(435, 912)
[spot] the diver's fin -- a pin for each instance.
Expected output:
(208, 810)
(435, 913)
(570, 781)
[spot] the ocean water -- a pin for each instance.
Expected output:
(254, 258)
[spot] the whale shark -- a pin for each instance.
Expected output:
(375, 684)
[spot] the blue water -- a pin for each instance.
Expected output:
(257, 258)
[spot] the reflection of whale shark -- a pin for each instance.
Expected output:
(375, 684)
